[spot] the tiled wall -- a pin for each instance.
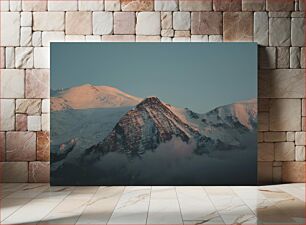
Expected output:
(27, 27)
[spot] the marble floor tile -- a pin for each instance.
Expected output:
(195, 204)
(9, 206)
(42, 204)
(164, 206)
(132, 207)
(100, 208)
(32, 212)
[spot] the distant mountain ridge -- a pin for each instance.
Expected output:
(89, 96)
(153, 122)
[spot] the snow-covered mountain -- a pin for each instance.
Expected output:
(88, 96)
(153, 122)
(145, 127)
(224, 123)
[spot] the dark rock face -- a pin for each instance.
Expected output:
(145, 127)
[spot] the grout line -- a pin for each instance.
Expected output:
(179, 205)
(116, 204)
(149, 205)
(88, 201)
(217, 211)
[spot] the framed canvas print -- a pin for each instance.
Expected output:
(153, 113)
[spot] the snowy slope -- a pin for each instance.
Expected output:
(89, 96)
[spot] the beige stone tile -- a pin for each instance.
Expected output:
(166, 39)
(201, 5)
(137, 5)
(45, 105)
(28, 106)
(182, 33)
(21, 122)
(124, 22)
(24, 57)
(148, 23)
(279, 32)
(300, 153)
(283, 57)
(48, 21)
(261, 28)
(14, 171)
(10, 28)
(284, 151)
(199, 38)
(290, 136)
(181, 21)
(295, 57)
(52, 36)
(169, 5)
(285, 115)
(42, 57)
(9, 57)
(20, 146)
(34, 5)
(206, 23)
(34, 123)
(293, 172)
(39, 172)
(253, 5)
(297, 32)
(215, 38)
(282, 5)
(300, 138)
(45, 122)
(5, 6)
(37, 39)
(227, 5)
(281, 83)
(25, 36)
(37, 83)
(238, 26)
(275, 136)
(26, 19)
(78, 23)
(91, 5)
(112, 5)
(58, 5)
(167, 33)
(12, 83)
(265, 152)
(102, 23)
(166, 20)
(7, 114)
(147, 38)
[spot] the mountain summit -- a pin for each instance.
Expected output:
(89, 96)
(145, 127)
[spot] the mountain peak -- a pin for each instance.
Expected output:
(150, 100)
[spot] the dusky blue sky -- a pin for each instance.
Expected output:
(200, 76)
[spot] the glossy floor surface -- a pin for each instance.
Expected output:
(42, 204)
